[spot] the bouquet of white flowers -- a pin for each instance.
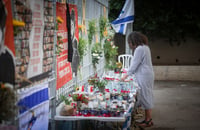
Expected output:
(96, 54)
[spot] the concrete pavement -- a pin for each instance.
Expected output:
(177, 105)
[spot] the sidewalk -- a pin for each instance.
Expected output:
(177, 105)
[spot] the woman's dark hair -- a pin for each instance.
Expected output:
(2, 15)
(137, 38)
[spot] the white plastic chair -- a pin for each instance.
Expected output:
(125, 59)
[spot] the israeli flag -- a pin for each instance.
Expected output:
(126, 16)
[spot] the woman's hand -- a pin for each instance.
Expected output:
(124, 77)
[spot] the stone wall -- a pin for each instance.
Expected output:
(190, 73)
(176, 61)
(186, 53)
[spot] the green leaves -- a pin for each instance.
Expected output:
(110, 53)
(96, 53)
(102, 26)
(100, 83)
(67, 101)
(92, 30)
(169, 20)
(115, 8)
(82, 48)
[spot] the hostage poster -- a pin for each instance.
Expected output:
(34, 41)
(64, 72)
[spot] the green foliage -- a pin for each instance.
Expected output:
(96, 54)
(102, 26)
(92, 30)
(172, 20)
(100, 83)
(110, 50)
(66, 100)
(8, 99)
(82, 47)
(111, 66)
(110, 53)
(115, 7)
(80, 97)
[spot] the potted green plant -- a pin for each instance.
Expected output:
(66, 109)
(100, 84)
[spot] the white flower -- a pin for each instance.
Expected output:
(8, 85)
(98, 57)
(111, 43)
(94, 54)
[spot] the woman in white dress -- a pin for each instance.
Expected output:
(141, 67)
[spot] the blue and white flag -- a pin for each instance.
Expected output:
(126, 16)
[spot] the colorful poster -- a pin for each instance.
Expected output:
(74, 38)
(48, 37)
(34, 42)
(7, 66)
(34, 108)
(64, 72)
(74, 18)
(35, 64)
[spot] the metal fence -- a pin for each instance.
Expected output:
(94, 9)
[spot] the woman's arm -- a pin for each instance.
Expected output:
(124, 77)
(136, 61)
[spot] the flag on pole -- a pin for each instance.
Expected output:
(126, 16)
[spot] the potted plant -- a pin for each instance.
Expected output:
(93, 80)
(79, 98)
(100, 84)
(66, 109)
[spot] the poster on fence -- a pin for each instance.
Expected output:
(34, 41)
(7, 67)
(74, 22)
(74, 37)
(34, 107)
(35, 64)
(64, 72)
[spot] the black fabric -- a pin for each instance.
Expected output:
(70, 48)
(7, 69)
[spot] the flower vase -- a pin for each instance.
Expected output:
(102, 89)
(111, 73)
(95, 69)
(78, 103)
